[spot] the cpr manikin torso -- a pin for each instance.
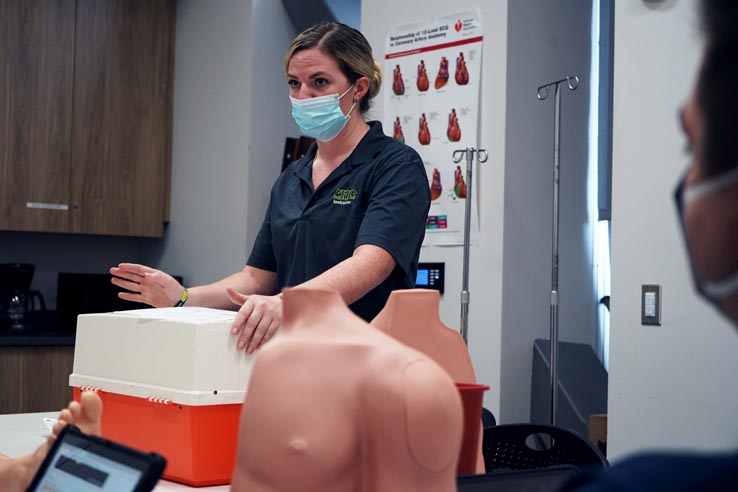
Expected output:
(336, 405)
(411, 317)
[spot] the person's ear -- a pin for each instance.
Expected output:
(361, 87)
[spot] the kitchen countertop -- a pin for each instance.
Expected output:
(41, 329)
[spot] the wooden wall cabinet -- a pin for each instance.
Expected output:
(86, 115)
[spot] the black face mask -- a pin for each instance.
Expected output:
(683, 195)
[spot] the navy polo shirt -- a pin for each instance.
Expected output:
(379, 195)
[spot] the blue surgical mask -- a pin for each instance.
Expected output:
(321, 117)
(713, 291)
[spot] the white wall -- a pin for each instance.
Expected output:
(269, 109)
(486, 260)
(210, 141)
(546, 41)
(231, 115)
(672, 385)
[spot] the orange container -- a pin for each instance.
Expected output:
(471, 399)
(199, 442)
(171, 381)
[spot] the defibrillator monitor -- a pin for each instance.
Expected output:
(430, 276)
(81, 463)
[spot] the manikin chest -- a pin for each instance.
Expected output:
(305, 420)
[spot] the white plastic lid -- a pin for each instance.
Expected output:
(181, 355)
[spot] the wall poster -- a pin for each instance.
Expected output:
(432, 78)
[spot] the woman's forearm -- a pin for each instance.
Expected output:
(354, 277)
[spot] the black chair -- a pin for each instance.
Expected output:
(488, 419)
(533, 446)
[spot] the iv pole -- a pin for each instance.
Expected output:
(481, 157)
(543, 91)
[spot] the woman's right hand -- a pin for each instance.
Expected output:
(146, 285)
(258, 319)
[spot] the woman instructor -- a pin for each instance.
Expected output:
(349, 216)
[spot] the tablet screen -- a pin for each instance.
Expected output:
(81, 465)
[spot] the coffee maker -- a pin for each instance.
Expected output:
(16, 297)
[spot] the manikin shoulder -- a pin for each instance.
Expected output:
(420, 395)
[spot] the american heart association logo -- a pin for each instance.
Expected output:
(458, 26)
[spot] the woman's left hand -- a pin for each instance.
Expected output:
(257, 320)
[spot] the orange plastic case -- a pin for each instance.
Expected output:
(171, 381)
(198, 442)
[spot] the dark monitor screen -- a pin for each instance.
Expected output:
(84, 293)
(538, 480)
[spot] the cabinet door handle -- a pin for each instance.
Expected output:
(48, 206)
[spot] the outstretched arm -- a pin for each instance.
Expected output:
(159, 289)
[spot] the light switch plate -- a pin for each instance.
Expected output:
(651, 305)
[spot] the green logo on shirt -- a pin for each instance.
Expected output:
(344, 197)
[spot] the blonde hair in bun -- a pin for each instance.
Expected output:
(376, 80)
